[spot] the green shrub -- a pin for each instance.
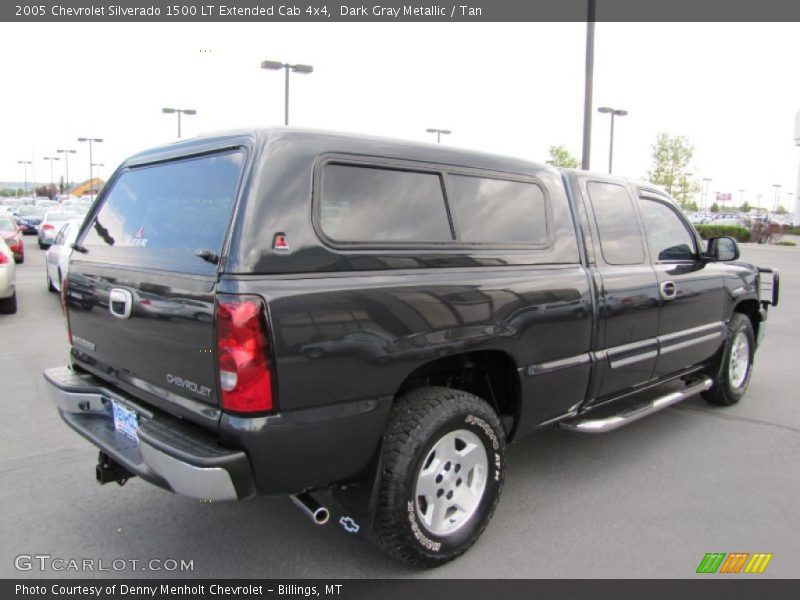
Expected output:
(785, 243)
(740, 234)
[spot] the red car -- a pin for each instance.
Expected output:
(13, 236)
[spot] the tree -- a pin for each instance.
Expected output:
(781, 210)
(714, 208)
(745, 207)
(561, 157)
(671, 157)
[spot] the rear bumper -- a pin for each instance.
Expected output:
(169, 452)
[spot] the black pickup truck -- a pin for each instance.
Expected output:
(364, 324)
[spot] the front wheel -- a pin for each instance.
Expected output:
(732, 369)
(443, 467)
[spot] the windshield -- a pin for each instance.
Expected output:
(60, 216)
(6, 223)
(31, 211)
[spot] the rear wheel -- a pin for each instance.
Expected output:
(443, 466)
(731, 370)
(50, 285)
(8, 306)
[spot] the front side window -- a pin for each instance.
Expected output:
(617, 223)
(375, 205)
(668, 237)
(497, 210)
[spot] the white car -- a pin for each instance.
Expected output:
(57, 255)
(8, 290)
(51, 224)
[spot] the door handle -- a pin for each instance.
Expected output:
(668, 290)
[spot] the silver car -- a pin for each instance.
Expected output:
(51, 224)
(57, 256)
(8, 290)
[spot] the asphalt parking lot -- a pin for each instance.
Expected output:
(648, 500)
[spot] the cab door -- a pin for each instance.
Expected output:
(691, 290)
(628, 299)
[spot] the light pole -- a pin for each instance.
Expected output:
(614, 112)
(51, 159)
(587, 86)
(275, 65)
(25, 164)
(179, 111)
(777, 199)
(439, 133)
(90, 140)
(741, 197)
(706, 181)
(99, 166)
(66, 153)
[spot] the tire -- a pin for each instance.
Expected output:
(21, 260)
(732, 369)
(50, 286)
(429, 430)
(8, 306)
(42, 246)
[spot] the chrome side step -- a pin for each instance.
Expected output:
(583, 425)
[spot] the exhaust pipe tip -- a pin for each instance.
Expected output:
(319, 514)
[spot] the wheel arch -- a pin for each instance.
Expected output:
(492, 375)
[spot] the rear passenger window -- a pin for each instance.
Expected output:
(617, 223)
(373, 205)
(668, 236)
(495, 210)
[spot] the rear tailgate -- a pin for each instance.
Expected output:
(141, 301)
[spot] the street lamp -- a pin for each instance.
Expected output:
(51, 159)
(777, 187)
(706, 181)
(99, 166)
(179, 111)
(66, 153)
(276, 65)
(439, 133)
(90, 140)
(614, 112)
(25, 164)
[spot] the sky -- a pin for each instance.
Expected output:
(731, 89)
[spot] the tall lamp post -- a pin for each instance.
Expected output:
(66, 152)
(179, 111)
(587, 85)
(99, 166)
(439, 133)
(51, 159)
(777, 199)
(706, 181)
(25, 164)
(91, 162)
(614, 112)
(276, 65)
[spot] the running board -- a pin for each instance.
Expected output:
(624, 418)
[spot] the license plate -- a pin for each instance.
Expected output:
(125, 421)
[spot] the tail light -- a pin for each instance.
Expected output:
(243, 354)
(3, 259)
(47, 227)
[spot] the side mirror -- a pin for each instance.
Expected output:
(723, 249)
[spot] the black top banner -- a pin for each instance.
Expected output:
(394, 589)
(398, 10)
